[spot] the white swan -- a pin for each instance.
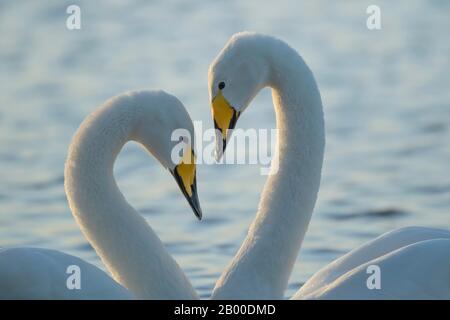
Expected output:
(414, 262)
(122, 238)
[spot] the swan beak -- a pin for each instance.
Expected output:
(225, 118)
(185, 176)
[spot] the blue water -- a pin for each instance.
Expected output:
(385, 93)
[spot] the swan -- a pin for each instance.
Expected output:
(414, 262)
(126, 244)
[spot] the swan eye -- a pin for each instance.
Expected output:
(221, 85)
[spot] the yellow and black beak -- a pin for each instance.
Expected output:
(225, 118)
(185, 176)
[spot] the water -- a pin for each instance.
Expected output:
(385, 95)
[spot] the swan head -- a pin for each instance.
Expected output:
(235, 76)
(166, 131)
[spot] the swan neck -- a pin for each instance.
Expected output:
(289, 196)
(262, 267)
(126, 244)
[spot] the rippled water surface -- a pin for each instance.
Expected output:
(385, 93)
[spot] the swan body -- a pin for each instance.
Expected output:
(126, 244)
(413, 264)
(263, 264)
(35, 273)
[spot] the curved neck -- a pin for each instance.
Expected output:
(121, 237)
(263, 264)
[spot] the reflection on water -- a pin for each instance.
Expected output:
(386, 103)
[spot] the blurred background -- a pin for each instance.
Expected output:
(385, 93)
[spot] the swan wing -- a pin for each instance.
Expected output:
(416, 271)
(34, 273)
(374, 249)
